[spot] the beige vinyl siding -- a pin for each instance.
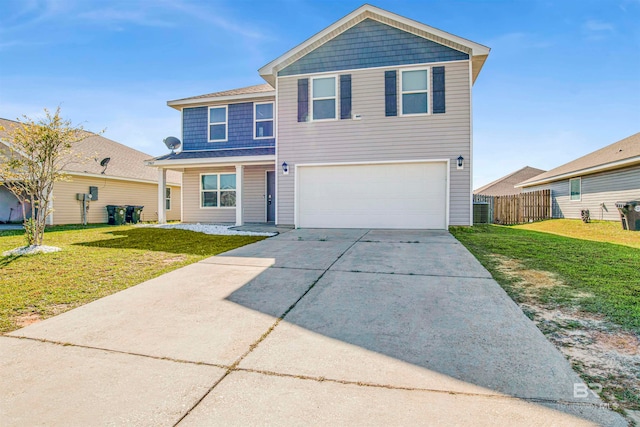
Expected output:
(175, 213)
(605, 187)
(68, 210)
(253, 197)
(376, 137)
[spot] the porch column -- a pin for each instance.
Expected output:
(162, 191)
(239, 185)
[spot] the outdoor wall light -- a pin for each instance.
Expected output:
(285, 168)
(460, 164)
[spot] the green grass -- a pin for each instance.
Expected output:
(598, 277)
(95, 261)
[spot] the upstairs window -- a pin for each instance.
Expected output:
(575, 186)
(217, 123)
(263, 120)
(218, 190)
(323, 94)
(415, 92)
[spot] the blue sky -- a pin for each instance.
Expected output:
(562, 80)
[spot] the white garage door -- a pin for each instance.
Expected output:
(398, 195)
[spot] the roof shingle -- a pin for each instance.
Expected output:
(505, 186)
(622, 150)
(256, 89)
(125, 161)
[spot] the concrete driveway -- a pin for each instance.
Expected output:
(341, 327)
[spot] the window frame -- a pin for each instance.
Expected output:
(579, 199)
(218, 190)
(167, 200)
(226, 123)
(402, 92)
(335, 97)
(256, 120)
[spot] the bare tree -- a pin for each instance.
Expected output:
(38, 152)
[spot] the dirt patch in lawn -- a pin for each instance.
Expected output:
(174, 259)
(31, 317)
(28, 319)
(528, 279)
(600, 351)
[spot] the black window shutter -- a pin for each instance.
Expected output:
(345, 96)
(303, 100)
(438, 90)
(390, 96)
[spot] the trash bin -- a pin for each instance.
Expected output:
(116, 214)
(134, 213)
(629, 214)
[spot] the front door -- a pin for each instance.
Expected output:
(271, 196)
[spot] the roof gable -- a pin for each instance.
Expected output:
(477, 51)
(368, 44)
(505, 186)
(617, 155)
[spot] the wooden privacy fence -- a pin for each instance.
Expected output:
(518, 208)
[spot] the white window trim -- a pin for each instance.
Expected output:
(226, 123)
(217, 191)
(579, 199)
(256, 120)
(311, 98)
(401, 72)
(167, 199)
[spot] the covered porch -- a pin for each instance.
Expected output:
(222, 189)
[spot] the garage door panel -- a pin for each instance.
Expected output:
(409, 195)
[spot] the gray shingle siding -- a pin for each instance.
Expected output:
(195, 128)
(602, 188)
(372, 44)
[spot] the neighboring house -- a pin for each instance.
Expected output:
(506, 186)
(595, 181)
(362, 125)
(124, 181)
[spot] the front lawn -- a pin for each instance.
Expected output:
(96, 261)
(583, 292)
(599, 231)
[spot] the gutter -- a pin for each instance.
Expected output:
(210, 162)
(208, 100)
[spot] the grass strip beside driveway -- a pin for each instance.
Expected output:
(583, 294)
(598, 277)
(95, 261)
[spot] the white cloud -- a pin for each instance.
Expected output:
(597, 30)
(113, 16)
(215, 18)
(598, 26)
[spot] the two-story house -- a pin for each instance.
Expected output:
(367, 124)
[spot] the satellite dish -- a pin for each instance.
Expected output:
(172, 143)
(104, 162)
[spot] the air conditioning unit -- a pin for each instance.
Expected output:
(481, 213)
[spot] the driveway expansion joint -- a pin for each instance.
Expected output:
(111, 350)
(420, 389)
(413, 274)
